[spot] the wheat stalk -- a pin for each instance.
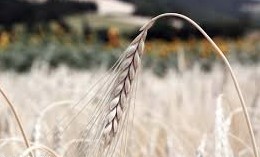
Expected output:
(223, 57)
(40, 147)
(128, 66)
(123, 85)
(107, 127)
(17, 118)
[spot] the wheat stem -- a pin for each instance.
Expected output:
(17, 118)
(248, 122)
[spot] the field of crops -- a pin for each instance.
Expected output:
(177, 116)
(71, 104)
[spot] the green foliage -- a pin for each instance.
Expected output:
(21, 55)
(16, 59)
(20, 58)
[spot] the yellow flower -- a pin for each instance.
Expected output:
(175, 45)
(57, 29)
(35, 39)
(113, 37)
(4, 39)
(222, 43)
(205, 48)
(148, 47)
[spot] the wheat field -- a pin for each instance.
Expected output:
(187, 114)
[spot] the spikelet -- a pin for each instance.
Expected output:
(106, 130)
(123, 86)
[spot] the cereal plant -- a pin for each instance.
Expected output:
(104, 122)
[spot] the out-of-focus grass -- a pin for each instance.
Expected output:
(171, 114)
(84, 53)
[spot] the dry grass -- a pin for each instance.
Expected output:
(171, 116)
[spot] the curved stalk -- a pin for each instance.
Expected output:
(18, 120)
(42, 147)
(248, 122)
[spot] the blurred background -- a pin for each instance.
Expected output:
(86, 33)
(52, 51)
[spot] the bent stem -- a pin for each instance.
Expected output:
(41, 147)
(248, 122)
(18, 120)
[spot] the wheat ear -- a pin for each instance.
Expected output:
(123, 85)
(223, 57)
(17, 118)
